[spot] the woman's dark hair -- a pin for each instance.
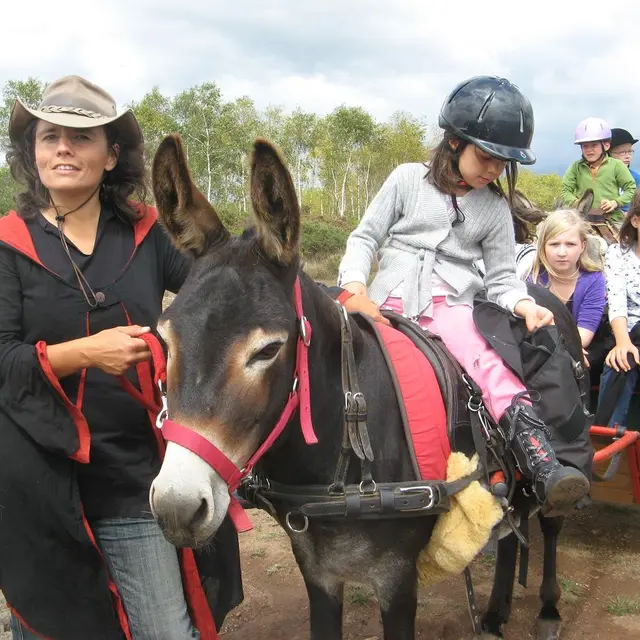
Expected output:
(628, 233)
(444, 174)
(118, 185)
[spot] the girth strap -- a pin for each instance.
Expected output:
(386, 500)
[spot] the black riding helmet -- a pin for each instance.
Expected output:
(493, 114)
(621, 136)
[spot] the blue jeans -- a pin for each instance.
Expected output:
(621, 411)
(145, 569)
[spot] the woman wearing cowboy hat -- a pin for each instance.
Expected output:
(83, 271)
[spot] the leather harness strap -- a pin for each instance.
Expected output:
(367, 499)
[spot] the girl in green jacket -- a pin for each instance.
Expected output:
(612, 183)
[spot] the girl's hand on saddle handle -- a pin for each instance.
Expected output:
(116, 350)
(534, 315)
(360, 302)
(618, 357)
(364, 304)
(355, 287)
(608, 205)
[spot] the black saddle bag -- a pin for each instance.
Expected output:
(545, 367)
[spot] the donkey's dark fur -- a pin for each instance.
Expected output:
(232, 333)
(242, 285)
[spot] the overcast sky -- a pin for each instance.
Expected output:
(383, 55)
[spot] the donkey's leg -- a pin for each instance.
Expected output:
(549, 619)
(396, 587)
(499, 608)
(325, 609)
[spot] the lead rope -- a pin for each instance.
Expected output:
(82, 281)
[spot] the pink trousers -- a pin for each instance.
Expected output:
(454, 324)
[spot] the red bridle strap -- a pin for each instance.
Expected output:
(218, 461)
(302, 367)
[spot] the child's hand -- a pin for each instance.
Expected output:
(534, 315)
(608, 205)
(364, 304)
(355, 287)
(618, 357)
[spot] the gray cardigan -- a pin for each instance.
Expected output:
(413, 220)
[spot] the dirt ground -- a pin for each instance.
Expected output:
(599, 565)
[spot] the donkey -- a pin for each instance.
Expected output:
(233, 335)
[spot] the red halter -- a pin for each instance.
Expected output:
(300, 396)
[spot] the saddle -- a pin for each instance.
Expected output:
(602, 226)
(370, 498)
(457, 389)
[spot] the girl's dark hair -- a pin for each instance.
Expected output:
(118, 185)
(628, 233)
(444, 174)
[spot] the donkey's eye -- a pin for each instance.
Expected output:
(268, 352)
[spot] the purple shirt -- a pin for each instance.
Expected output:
(588, 299)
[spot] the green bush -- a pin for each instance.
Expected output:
(321, 239)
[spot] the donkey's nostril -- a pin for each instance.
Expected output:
(201, 513)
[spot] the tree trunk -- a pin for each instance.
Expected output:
(343, 198)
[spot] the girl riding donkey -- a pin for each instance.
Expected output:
(441, 217)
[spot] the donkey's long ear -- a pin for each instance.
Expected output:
(275, 204)
(585, 204)
(520, 200)
(191, 221)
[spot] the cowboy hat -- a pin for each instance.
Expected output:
(74, 102)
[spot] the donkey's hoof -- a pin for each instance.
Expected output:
(548, 629)
(487, 636)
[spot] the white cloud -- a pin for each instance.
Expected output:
(384, 55)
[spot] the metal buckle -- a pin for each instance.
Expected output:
(418, 489)
(353, 397)
(164, 410)
(373, 485)
(306, 340)
(305, 526)
(474, 404)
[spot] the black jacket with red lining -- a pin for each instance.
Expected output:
(51, 572)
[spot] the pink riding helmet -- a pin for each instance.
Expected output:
(592, 130)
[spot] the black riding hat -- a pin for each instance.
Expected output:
(621, 136)
(493, 114)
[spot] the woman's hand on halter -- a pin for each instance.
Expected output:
(534, 315)
(117, 350)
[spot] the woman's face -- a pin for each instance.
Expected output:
(71, 161)
(563, 251)
(478, 168)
